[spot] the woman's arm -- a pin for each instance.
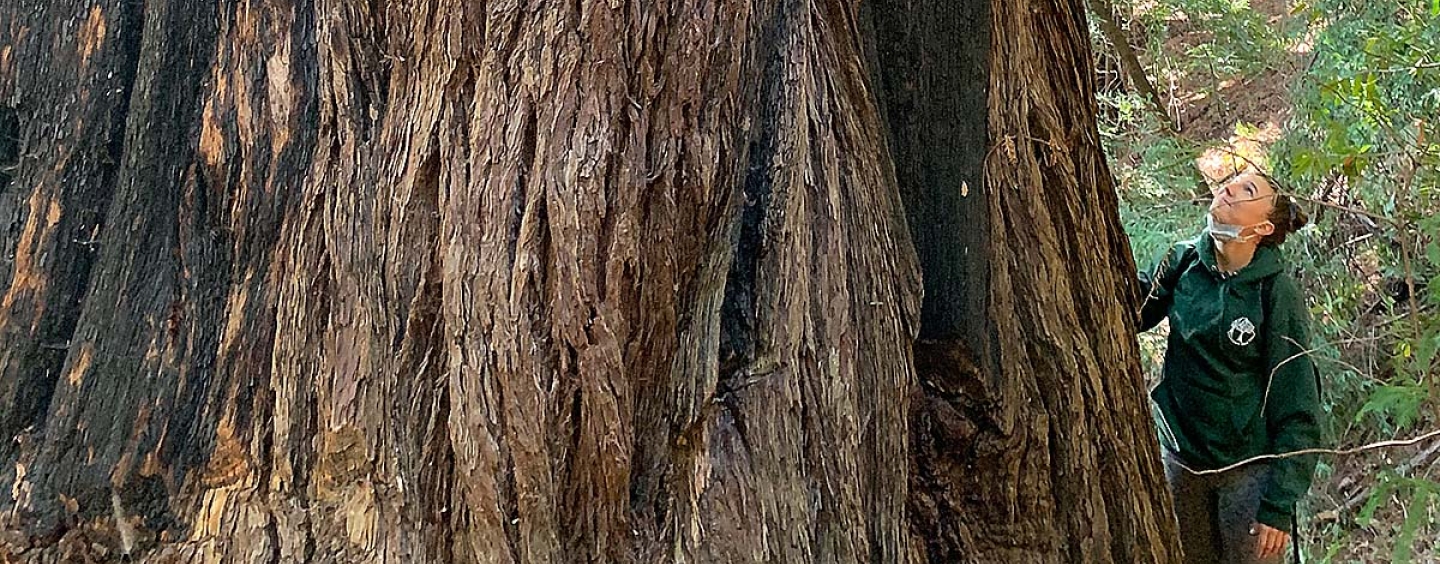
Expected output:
(1157, 286)
(1292, 403)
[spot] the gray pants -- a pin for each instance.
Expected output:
(1216, 512)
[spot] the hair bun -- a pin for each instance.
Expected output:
(1300, 219)
(1296, 215)
(1287, 217)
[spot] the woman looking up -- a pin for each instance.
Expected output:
(1237, 381)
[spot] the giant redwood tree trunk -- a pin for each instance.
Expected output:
(597, 281)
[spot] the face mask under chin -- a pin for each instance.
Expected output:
(1225, 233)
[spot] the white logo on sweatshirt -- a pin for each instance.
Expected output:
(1242, 331)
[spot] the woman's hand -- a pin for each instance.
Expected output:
(1270, 542)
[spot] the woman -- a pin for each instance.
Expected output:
(1237, 382)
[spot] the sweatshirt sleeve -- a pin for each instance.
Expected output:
(1292, 404)
(1157, 286)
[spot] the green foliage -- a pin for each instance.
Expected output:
(1362, 128)
(1400, 404)
(1420, 493)
(1227, 38)
(1361, 149)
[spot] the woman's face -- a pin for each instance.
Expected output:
(1245, 200)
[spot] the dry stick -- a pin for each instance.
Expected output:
(1339, 452)
(1128, 61)
(1422, 459)
(1306, 352)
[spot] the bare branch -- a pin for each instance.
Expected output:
(1339, 452)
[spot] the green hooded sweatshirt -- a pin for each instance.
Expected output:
(1228, 335)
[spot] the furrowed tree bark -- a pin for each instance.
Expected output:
(60, 149)
(448, 281)
(1032, 416)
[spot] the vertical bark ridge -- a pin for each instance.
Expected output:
(1052, 196)
(67, 133)
(515, 281)
(145, 322)
(1045, 386)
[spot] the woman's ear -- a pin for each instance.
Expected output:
(1265, 229)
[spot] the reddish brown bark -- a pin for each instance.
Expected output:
(449, 281)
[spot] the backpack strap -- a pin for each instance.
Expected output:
(1187, 259)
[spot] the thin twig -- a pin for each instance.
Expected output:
(1310, 352)
(1155, 282)
(1357, 370)
(1349, 209)
(1339, 452)
(1422, 459)
(1410, 68)
(1178, 203)
(1270, 381)
(1228, 150)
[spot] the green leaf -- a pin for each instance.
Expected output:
(1377, 495)
(1418, 510)
(1303, 162)
(1398, 403)
(1425, 353)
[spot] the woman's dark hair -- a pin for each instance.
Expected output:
(1286, 214)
